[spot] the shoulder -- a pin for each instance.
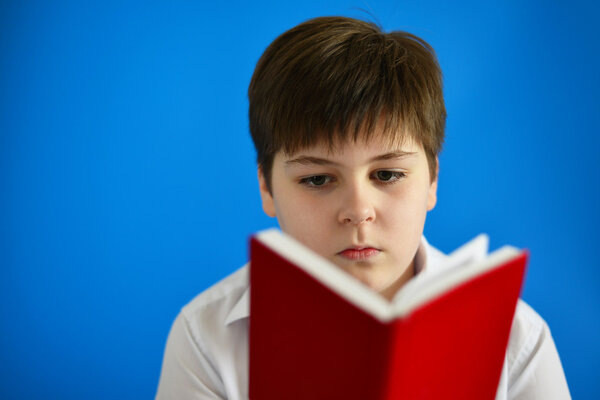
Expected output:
(214, 306)
(527, 334)
(534, 370)
(527, 326)
(206, 350)
(222, 291)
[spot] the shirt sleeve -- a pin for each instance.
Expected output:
(187, 373)
(536, 373)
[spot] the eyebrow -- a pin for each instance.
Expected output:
(307, 160)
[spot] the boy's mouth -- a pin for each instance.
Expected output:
(359, 254)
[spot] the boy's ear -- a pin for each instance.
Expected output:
(267, 198)
(432, 195)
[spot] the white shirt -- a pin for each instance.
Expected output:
(206, 356)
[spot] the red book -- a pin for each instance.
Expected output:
(318, 333)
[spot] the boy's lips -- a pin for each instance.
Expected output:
(359, 253)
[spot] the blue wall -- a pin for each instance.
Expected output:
(128, 180)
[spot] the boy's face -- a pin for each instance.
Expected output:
(362, 207)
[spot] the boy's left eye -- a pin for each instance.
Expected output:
(386, 176)
(316, 181)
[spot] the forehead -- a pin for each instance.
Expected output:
(364, 146)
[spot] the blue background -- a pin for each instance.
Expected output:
(128, 181)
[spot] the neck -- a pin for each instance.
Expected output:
(390, 291)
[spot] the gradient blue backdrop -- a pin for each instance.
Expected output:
(128, 179)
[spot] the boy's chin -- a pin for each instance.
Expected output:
(382, 283)
(365, 273)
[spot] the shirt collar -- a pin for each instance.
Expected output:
(241, 309)
(420, 260)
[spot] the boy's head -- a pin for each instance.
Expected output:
(347, 122)
(334, 79)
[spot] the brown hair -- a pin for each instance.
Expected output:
(331, 79)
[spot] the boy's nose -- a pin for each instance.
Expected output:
(356, 208)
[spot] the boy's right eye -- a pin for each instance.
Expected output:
(316, 180)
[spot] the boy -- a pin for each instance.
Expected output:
(347, 122)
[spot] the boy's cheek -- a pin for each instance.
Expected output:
(309, 223)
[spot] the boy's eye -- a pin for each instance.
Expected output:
(386, 176)
(316, 180)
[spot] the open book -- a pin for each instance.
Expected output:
(318, 333)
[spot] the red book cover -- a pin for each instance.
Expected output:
(317, 333)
